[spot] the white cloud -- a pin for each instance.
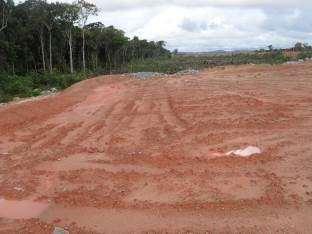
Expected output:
(126, 4)
(211, 24)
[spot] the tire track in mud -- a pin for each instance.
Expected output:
(118, 119)
(94, 131)
(111, 121)
(168, 113)
(100, 120)
(162, 111)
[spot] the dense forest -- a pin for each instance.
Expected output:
(37, 36)
(47, 46)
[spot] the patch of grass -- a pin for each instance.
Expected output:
(33, 84)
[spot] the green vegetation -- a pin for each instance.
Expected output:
(45, 37)
(33, 84)
(44, 45)
(178, 63)
(305, 55)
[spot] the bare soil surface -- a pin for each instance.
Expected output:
(120, 155)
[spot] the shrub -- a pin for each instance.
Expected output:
(32, 84)
(305, 54)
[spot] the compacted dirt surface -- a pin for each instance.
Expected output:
(119, 155)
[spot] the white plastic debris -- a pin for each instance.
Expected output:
(247, 152)
(18, 189)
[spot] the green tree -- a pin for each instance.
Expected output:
(38, 17)
(299, 46)
(95, 35)
(85, 11)
(40, 36)
(4, 13)
(50, 17)
(69, 16)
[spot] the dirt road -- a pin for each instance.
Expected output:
(119, 155)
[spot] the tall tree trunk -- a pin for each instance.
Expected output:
(50, 51)
(4, 19)
(95, 60)
(83, 50)
(70, 43)
(108, 58)
(110, 63)
(42, 52)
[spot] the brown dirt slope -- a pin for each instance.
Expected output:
(118, 155)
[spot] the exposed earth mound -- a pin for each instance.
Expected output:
(121, 155)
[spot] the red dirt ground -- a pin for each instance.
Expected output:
(119, 155)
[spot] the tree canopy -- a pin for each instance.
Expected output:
(37, 36)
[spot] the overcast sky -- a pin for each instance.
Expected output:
(205, 25)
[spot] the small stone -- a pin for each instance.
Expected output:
(53, 90)
(58, 230)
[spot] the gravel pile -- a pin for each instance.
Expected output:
(147, 75)
(187, 72)
(150, 75)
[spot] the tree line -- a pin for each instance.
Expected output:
(41, 37)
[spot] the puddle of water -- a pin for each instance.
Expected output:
(247, 152)
(105, 220)
(21, 209)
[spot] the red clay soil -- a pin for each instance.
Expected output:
(119, 155)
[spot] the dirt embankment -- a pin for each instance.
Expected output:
(120, 155)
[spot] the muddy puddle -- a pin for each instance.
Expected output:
(26, 209)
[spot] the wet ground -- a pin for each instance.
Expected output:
(119, 155)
